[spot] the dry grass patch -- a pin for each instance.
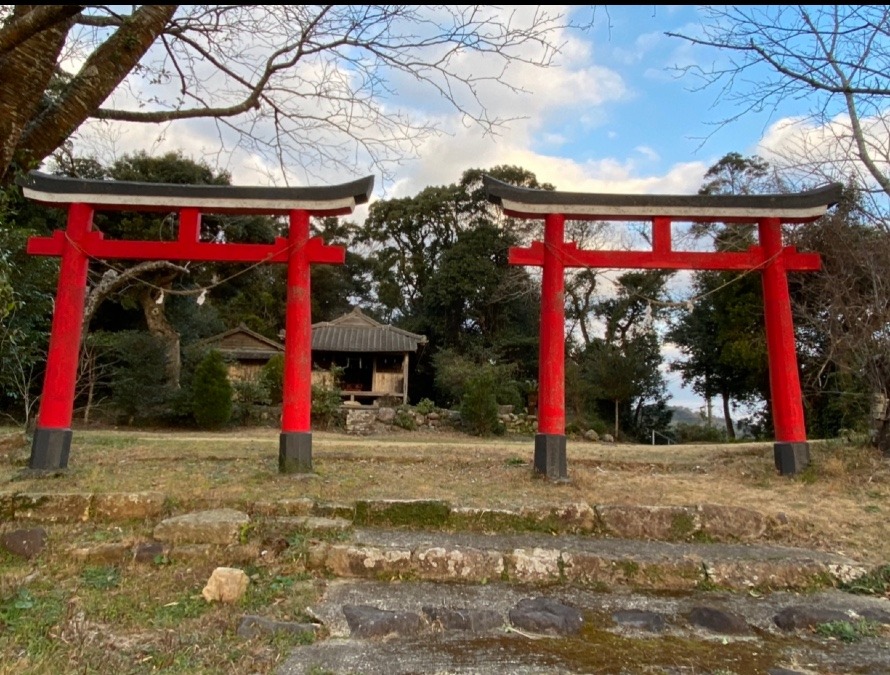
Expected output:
(841, 503)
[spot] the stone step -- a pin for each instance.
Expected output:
(603, 564)
(422, 627)
(697, 522)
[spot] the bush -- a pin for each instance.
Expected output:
(326, 401)
(698, 433)
(134, 362)
(425, 406)
(454, 374)
(404, 418)
(211, 392)
(479, 406)
(272, 377)
(248, 394)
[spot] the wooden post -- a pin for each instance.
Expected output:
(295, 441)
(791, 448)
(550, 441)
(52, 438)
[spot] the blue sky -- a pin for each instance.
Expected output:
(612, 115)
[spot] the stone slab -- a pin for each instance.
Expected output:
(218, 526)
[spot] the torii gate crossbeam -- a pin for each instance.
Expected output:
(774, 260)
(78, 243)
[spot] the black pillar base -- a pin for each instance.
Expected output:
(50, 449)
(792, 458)
(295, 452)
(550, 456)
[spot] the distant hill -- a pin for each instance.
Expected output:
(687, 416)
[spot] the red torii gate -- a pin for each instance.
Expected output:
(774, 260)
(78, 243)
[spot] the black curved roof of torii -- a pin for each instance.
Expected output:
(135, 196)
(797, 207)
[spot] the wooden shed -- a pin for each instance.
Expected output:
(373, 357)
(245, 351)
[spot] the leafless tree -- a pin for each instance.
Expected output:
(835, 58)
(302, 85)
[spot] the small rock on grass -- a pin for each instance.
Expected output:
(226, 584)
(24, 543)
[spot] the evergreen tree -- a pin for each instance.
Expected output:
(211, 392)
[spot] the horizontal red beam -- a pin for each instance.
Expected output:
(95, 246)
(571, 256)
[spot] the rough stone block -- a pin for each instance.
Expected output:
(219, 526)
(283, 507)
(663, 523)
(128, 505)
(546, 615)
(52, 507)
(226, 584)
(107, 553)
(535, 566)
(596, 571)
(333, 510)
(803, 617)
(773, 574)
(366, 621)
(732, 522)
(149, 551)
(718, 621)
(367, 561)
(285, 527)
(28, 543)
(463, 564)
(578, 517)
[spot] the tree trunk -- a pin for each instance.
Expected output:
(98, 77)
(616, 419)
(727, 416)
(153, 308)
(25, 72)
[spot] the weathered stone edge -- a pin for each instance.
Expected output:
(703, 522)
(555, 566)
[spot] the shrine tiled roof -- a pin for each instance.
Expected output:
(357, 332)
(122, 195)
(789, 208)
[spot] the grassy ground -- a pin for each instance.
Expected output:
(65, 616)
(840, 504)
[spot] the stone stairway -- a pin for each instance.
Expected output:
(424, 586)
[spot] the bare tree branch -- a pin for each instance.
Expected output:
(301, 85)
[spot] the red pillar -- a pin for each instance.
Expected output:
(295, 444)
(52, 438)
(791, 448)
(550, 441)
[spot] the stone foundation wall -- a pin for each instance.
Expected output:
(364, 420)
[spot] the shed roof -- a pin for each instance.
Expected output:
(241, 343)
(357, 332)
